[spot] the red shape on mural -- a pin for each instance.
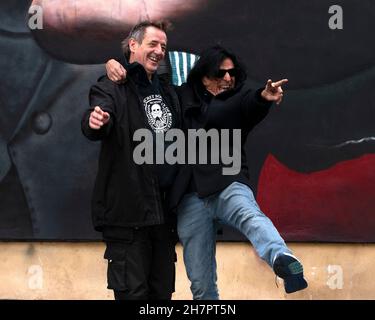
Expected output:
(336, 204)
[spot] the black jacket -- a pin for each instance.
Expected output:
(239, 108)
(125, 194)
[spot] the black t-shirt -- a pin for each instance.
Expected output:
(160, 117)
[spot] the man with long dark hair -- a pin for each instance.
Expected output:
(217, 97)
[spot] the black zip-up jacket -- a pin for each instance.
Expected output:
(125, 194)
(238, 108)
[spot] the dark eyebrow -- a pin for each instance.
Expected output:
(163, 45)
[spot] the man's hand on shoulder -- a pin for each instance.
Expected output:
(115, 71)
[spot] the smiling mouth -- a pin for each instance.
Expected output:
(225, 87)
(154, 59)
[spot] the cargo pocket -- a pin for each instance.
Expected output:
(116, 272)
(116, 275)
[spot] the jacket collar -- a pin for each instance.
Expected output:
(198, 96)
(138, 74)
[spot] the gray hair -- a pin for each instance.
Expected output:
(139, 30)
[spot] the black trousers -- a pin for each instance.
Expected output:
(142, 266)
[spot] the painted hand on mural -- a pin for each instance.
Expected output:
(74, 16)
(97, 27)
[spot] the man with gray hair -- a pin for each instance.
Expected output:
(128, 204)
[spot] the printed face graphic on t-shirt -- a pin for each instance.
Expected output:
(158, 114)
(156, 111)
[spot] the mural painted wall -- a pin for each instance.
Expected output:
(311, 160)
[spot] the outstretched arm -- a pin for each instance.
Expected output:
(97, 121)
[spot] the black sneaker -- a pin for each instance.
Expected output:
(287, 267)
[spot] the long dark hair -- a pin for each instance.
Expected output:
(209, 63)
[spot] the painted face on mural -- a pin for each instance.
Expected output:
(224, 80)
(326, 118)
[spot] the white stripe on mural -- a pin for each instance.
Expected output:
(185, 66)
(192, 60)
(177, 63)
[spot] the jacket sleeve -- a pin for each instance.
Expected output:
(101, 94)
(254, 107)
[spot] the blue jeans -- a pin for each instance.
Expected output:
(196, 224)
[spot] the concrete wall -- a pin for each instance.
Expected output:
(78, 271)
